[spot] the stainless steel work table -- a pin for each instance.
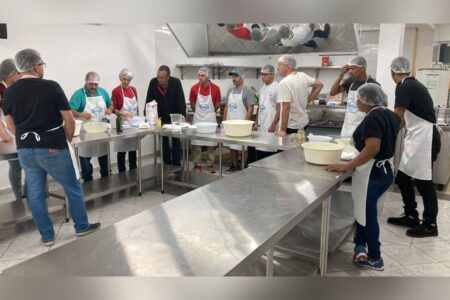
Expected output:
(256, 139)
(219, 229)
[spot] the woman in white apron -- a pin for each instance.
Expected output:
(204, 111)
(124, 99)
(375, 139)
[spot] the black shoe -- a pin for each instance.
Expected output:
(326, 30)
(232, 169)
(90, 229)
(423, 230)
(405, 221)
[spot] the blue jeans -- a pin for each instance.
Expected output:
(87, 170)
(37, 163)
(370, 234)
(15, 178)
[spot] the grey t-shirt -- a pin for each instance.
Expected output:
(248, 96)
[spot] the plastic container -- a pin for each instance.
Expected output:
(322, 153)
(319, 138)
(238, 128)
(135, 121)
(95, 127)
(176, 120)
(77, 127)
(206, 127)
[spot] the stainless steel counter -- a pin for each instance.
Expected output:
(219, 229)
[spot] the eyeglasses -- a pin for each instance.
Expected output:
(43, 64)
(266, 74)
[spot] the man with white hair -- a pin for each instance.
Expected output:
(205, 100)
(356, 69)
(38, 112)
(293, 97)
(414, 106)
(302, 34)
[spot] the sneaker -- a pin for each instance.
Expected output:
(326, 30)
(405, 221)
(48, 243)
(376, 265)
(360, 254)
(91, 229)
(423, 230)
(210, 169)
(232, 169)
(198, 168)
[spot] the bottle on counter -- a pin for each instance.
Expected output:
(119, 123)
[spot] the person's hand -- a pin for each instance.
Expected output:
(281, 133)
(108, 111)
(6, 138)
(271, 129)
(337, 168)
(255, 127)
(86, 116)
(127, 114)
(344, 69)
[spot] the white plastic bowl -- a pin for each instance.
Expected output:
(319, 138)
(77, 127)
(135, 121)
(238, 128)
(206, 127)
(322, 153)
(95, 127)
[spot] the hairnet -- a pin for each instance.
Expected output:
(284, 31)
(92, 77)
(372, 94)
(7, 68)
(268, 69)
(400, 65)
(237, 71)
(358, 61)
(288, 60)
(204, 70)
(230, 26)
(126, 72)
(257, 34)
(26, 59)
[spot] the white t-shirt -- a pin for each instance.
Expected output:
(301, 34)
(294, 89)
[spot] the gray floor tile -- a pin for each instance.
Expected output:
(433, 269)
(439, 250)
(391, 272)
(5, 264)
(407, 255)
(352, 273)
(25, 246)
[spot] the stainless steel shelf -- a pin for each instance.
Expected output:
(18, 210)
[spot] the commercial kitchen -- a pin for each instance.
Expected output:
(244, 212)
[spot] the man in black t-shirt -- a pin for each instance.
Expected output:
(38, 113)
(414, 106)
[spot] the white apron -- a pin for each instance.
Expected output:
(131, 144)
(360, 183)
(96, 107)
(416, 156)
(204, 112)
(353, 116)
(236, 111)
(266, 112)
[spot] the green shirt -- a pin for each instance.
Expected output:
(78, 99)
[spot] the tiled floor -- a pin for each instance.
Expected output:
(403, 256)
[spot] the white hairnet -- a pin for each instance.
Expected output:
(284, 31)
(358, 61)
(400, 65)
(26, 59)
(372, 94)
(7, 68)
(204, 70)
(126, 72)
(288, 60)
(268, 69)
(92, 77)
(257, 34)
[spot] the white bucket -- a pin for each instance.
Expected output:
(238, 128)
(323, 153)
(77, 127)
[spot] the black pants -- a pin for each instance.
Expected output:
(290, 130)
(263, 154)
(131, 160)
(172, 156)
(251, 154)
(425, 188)
(87, 170)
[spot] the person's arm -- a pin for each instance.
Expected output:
(69, 123)
(337, 88)
(400, 111)
(10, 124)
(181, 99)
(316, 88)
(216, 98)
(117, 100)
(108, 101)
(276, 119)
(249, 115)
(4, 135)
(76, 104)
(255, 125)
(285, 109)
(370, 150)
(192, 98)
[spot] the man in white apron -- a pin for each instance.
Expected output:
(239, 106)
(356, 69)
(302, 34)
(42, 132)
(92, 102)
(375, 139)
(124, 99)
(267, 107)
(8, 76)
(205, 100)
(414, 106)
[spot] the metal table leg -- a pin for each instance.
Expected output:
(162, 162)
(187, 155)
(66, 209)
(140, 166)
(326, 208)
(109, 157)
(220, 160)
(269, 263)
(154, 149)
(183, 149)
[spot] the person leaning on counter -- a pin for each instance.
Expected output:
(375, 139)
(124, 98)
(356, 69)
(38, 112)
(167, 91)
(422, 144)
(92, 102)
